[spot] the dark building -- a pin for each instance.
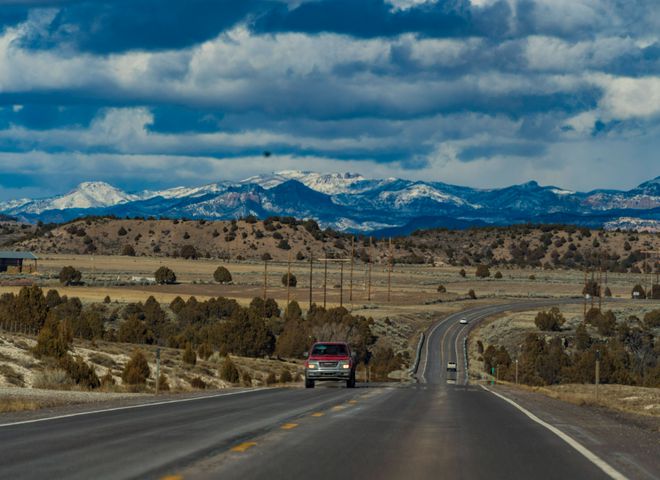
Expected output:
(12, 262)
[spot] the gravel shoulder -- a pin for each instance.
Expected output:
(630, 443)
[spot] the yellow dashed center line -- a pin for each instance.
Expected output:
(318, 414)
(289, 426)
(338, 407)
(352, 402)
(241, 447)
(172, 477)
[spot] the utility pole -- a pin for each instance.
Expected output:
(350, 282)
(389, 272)
(311, 275)
(325, 280)
(157, 369)
(597, 372)
(341, 284)
(371, 245)
(265, 280)
(288, 281)
(584, 310)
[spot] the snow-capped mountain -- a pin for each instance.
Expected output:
(84, 196)
(351, 202)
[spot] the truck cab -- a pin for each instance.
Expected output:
(330, 361)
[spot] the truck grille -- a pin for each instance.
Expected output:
(327, 364)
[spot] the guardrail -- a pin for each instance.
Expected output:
(413, 369)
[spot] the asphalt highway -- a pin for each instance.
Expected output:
(431, 429)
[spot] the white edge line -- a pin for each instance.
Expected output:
(129, 407)
(588, 454)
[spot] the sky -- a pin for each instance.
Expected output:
(485, 93)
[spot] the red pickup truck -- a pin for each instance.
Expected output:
(330, 361)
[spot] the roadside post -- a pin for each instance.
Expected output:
(157, 369)
(516, 371)
(492, 373)
(597, 371)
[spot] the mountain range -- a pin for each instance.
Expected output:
(350, 202)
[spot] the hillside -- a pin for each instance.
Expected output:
(546, 246)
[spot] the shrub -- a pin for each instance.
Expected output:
(128, 251)
(284, 245)
(189, 252)
(266, 257)
(163, 383)
(121, 232)
(608, 292)
(652, 319)
(271, 379)
(293, 281)
(462, 272)
(472, 294)
(205, 350)
(107, 380)
(229, 372)
(286, 377)
(551, 320)
(482, 271)
(655, 292)
(80, 372)
(246, 379)
(198, 383)
(165, 276)
(54, 339)
(136, 370)
(189, 355)
(70, 276)
(638, 292)
(582, 338)
(498, 274)
(442, 289)
(107, 299)
(592, 288)
(222, 275)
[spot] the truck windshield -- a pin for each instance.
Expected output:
(325, 349)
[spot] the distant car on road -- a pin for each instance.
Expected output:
(463, 321)
(451, 366)
(330, 361)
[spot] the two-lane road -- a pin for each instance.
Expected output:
(425, 430)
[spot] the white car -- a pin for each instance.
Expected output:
(463, 321)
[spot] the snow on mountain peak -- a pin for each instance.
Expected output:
(328, 183)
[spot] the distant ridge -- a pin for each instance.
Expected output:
(351, 202)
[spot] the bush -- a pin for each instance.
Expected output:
(655, 292)
(482, 271)
(163, 383)
(165, 276)
(462, 273)
(107, 380)
(136, 370)
(189, 252)
(121, 232)
(608, 292)
(549, 321)
(472, 294)
(286, 377)
(271, 379)
(70, 276)
(652, 319)
(284, 245)
(222, 275)
(128, 251)
(198, 383)
(54, 339)
(442, 289)
(229, 372)
(246, 379)
(205, 350)
(498, 274)
(189, 355)
(266, 257)
(638, 292)
(80, 372)
(293, 281)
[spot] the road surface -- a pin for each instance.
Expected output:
(431, 429)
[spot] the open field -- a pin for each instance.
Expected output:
(126, 279)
